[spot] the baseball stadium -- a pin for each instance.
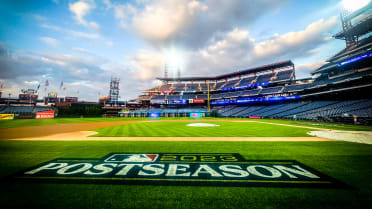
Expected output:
(254, 137)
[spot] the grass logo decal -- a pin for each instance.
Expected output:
(133, 158)
(219, 169)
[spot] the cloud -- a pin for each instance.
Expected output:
(28, 65)
(50, 41)
(16, 66)
(81, 50)
(73, 33)
(304, 70)
(122, 12)
(82, 8)
(53, 27)
(85, 71)
(297, 42)
(109, 43)
(231, 52)
(37, 17)
(31, 68)
(147, 64)
(165, 23)
(31, 82)
(188, 23)
(236, 50)
(83, 35)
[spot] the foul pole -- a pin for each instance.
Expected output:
(209, 105)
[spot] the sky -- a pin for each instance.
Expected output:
(83, 43)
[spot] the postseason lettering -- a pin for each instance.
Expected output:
(226, 169)
(174, 170)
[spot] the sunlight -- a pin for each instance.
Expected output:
(175, 59)
(353, 5)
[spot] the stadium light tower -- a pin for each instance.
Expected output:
(351, 8)
(114, 89)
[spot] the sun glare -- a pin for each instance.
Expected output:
(174, 59)
(353, 5)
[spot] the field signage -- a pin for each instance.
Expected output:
(218, 169)
(201, 101)
(45, 114)
(195, 115)
(6, 116)
(154, 115)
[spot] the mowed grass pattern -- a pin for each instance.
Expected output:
(345, 161)
(35, 122)
(180, 129)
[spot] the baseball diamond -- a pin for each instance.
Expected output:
(180, 104)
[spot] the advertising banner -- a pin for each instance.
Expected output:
(45, 114)
(195, 115)
(6, 116)
(199, 101)
(154, 115)
(177, 101)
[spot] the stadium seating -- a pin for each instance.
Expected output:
(306, 107)
(23, 109)
(165, 87)
(188, 96)
(253, 92)
(41, 109)
(219, 86)
(230, 84)
(204, 87)
(179, 87)
(173, 97)
(296, 87)
(18, 109)
(245, 112)
(2, 107)
(305, 110)
(170, 110)
(158, 97)
(283, 76)
(247, 81)
(274, 90)
(264, 78)
(352, 107)
(201, 96)
(192, 87)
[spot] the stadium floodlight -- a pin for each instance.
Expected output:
(174, 59)
(352, 5)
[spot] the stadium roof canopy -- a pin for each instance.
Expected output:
(273, 66)
(360, 23)
(363, 27)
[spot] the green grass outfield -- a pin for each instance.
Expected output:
(35, 122)
(180, 129)
(345, 161)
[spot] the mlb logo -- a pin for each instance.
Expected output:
(132, 158)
